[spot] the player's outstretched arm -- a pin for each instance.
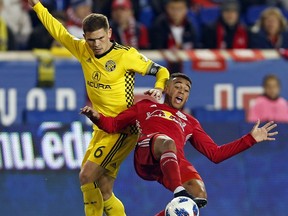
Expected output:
(263, 133)
(33, 2)
(92, 114)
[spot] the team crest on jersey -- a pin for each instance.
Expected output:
(96, 75)
(110, 66)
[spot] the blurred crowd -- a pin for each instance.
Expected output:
(155, 24)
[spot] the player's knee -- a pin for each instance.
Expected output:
(169, 145)
(85, 177)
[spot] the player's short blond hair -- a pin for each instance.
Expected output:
(94, 22)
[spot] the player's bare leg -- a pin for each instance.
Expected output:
(93, 201)
(196, 188)
(112, 205)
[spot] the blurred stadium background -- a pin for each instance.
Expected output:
(43, 138)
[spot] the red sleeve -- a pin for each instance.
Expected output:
(121, 121)
(204, 144)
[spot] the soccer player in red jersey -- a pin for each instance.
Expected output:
(164, 129)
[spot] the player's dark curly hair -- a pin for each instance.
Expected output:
(182, 75)
(94, 22)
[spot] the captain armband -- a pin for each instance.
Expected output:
(154, 68)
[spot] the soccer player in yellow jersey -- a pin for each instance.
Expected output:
(109, 69)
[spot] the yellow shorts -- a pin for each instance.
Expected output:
(109, 150)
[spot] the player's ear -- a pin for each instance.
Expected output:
(166, 86)
(109, 33)
(165, 89)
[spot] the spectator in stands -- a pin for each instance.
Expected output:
(6, 36)
(18, 20)
(172, 29)
(270, 31)
(228, 32)
(269, 106)
(104, 6)
(40, 37)
(77, 11)
(125, 29)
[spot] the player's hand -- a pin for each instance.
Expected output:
(92, 114)
(32, 2)
(263, 133)
(155, 93)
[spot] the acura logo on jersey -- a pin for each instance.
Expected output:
(98, 85)
(110, 66)
(96, 75)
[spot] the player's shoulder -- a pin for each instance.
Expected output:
(123, 48)
(147, 104)
(192, 119)
(146, 101)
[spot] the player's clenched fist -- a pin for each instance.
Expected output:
(92, 114)
(32, 2)
(155, 93)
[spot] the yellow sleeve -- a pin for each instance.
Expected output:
(161, 77)
(137, 62)
(58, 31)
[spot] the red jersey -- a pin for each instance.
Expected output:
(151, 118)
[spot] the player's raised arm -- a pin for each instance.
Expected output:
(55, 28)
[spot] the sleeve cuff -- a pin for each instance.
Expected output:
(250, 139)
(38, 7)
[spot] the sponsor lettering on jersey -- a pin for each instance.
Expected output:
(98, 85)
(181, 115)
(166, 115)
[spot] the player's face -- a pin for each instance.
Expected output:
(177, 92)
(99, 40)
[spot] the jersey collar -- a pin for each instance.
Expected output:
(105, 53)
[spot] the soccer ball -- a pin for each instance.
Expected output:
(181, 206)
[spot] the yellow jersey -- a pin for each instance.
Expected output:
(109, 78)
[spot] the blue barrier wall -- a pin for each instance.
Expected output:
(252, 183)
